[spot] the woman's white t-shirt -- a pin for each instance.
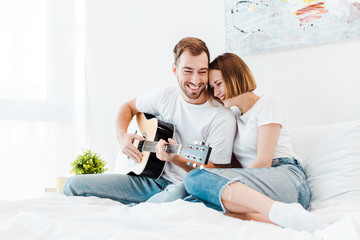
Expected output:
(265, 111)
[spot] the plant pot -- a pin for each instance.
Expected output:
(60, 183)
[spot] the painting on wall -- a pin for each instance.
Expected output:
(262, 25)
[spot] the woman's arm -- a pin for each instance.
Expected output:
(268, 136)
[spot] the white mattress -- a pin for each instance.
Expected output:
(58, 217)
(331, 155)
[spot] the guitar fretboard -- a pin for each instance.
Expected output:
(150, 146)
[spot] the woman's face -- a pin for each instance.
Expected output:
(217, 83)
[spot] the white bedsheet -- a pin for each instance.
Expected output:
(58, 217)
(331, 155)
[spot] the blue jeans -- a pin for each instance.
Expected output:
(285, 181)
(123, 188)
(171, 193)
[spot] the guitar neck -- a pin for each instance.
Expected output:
(150, 146)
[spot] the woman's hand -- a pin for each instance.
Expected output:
(161, 154)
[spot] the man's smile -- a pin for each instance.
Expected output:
(193, 87)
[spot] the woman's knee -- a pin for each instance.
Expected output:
(227, 191)
(191, 181)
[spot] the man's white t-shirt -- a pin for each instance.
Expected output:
(265, 111)
(215, 126)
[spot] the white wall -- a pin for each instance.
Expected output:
(129, 51)
(317, 85)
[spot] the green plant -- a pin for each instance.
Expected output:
(88, 163)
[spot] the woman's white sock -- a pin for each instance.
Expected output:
(293, 215)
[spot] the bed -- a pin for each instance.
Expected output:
(331, 155)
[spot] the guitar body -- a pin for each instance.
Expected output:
(153, 130)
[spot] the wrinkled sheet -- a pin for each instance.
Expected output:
(58, 217)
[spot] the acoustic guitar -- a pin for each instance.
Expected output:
(153, 130)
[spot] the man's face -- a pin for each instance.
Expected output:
(192, 74)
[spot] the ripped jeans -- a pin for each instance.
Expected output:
(284, 181)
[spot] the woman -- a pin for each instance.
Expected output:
(271, 186)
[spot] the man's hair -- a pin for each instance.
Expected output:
(236, 74)
(194, 45)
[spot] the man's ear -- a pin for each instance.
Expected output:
(174, 68)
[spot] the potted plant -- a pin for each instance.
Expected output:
(88, 163)
(85, 163)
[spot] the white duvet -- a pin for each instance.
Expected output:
(58, 217)
(331, 155)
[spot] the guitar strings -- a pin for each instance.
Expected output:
(150, 146)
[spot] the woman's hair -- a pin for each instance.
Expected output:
(194, 45)
(236, 74)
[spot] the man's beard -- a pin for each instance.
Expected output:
(192, 95)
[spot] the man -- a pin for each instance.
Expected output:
(194, 118)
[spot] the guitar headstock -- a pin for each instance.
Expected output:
(197, 154)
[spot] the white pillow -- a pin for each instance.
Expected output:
(331, 157)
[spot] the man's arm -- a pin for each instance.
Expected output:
(212, 165)
(125, 115)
